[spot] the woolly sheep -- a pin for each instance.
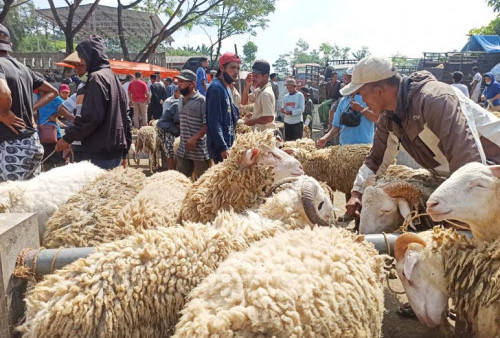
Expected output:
(394, 196)
(444, 265)
(324, 282)
(240, 181)
(148, 142)
(45, 193)
(470, 195)
(99, 202)
(137, 286)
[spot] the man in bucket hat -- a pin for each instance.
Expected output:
(436, 124)
(292, 109)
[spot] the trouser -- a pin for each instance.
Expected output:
(130, 112)
(106, 164)
(154, 111)
(54, 160)
(140, 114)
(194, 168)
(20, 159)
(293, 131)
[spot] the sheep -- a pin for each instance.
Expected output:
(399, 192)
(337, 165)
(240, 181)
(442, 265)
(305, 144)
(45, 193)
(137, 286)
(132, 154)
(324, 282)
(99, 202)
(470, 195)
(148, 142)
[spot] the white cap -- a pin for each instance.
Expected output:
(367, 70)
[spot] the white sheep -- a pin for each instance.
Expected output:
(147, 142)
(470, 195)
(324, 282)
(137, 286)
(45, 193)
(242, 180)
(388, 202)
(444, 265)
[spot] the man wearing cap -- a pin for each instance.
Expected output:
(436, 124)
(103, 126)
(192, 154)
(20, 149)
(222, 114)
(263, 97)
(201, 76)
(292, 109)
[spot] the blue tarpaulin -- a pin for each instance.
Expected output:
(483, 43)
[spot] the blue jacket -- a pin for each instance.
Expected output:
(222, 116)
(492, 89)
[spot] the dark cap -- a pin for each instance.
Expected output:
(305, 90)
(186, 75)
(5, 39)
(261, 67)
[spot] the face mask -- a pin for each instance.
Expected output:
(185, 91)
(84, 77)
(227, 78)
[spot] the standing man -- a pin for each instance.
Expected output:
(222, 114)
(170, 88)
(130, 110)
(333, 88)
(192, 155)
(103, 126)
(201, 76)
(276, 91)
(157, 92)
(475, 85)
(292, 108)
(321, 89)
(441, 130)
(307, 115)
(263, 97)
(20, 149)
(139, 98)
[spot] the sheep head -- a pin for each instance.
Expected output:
(385, 207)
(421, 271)
(471, 195)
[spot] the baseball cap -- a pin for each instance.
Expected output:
(261, 67)
(290, 82)
(186, 75)
(367, 70)
(305, 90)
(64, 88)
(5, 39)
(227, 58)
(73, 57)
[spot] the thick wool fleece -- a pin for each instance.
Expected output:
(227, 185)
(472, 269)
(137, 286)
(336, 165)
(82, 220)
(324, 282)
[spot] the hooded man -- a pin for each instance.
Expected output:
(437, 125)
(104, 126)
(491, 92)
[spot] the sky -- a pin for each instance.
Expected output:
(386, 27)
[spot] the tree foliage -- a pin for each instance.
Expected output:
(249, 52)
(495, 4)
(281, 66)
(493, 28)
(361, 53)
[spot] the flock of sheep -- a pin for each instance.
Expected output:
(252, 248)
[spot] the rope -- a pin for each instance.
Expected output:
(35, 258)
(414, 215)
(54, 261)
(21, 271)
(391, 289)
(387, 244)
(457, 225)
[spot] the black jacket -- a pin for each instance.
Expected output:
(104, 127)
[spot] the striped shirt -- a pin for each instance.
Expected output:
(192, 118)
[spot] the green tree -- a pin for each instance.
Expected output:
(281, 65)
(249, 52)
(493, 28)
(21, 22)
(361, 53)
(495, 4)
(399, 59)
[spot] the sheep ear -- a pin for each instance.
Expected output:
(495, 169)
(289, 151)
(405, 210)
(411, 258)
(249, 157)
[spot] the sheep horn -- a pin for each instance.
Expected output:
(279, 184)
(404, 190)
(309, 191)
(403, 241)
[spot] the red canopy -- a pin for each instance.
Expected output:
(129, 67)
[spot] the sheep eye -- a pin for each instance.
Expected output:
(320, 205)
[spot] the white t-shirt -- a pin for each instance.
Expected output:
(476, 91)
(463, 88)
